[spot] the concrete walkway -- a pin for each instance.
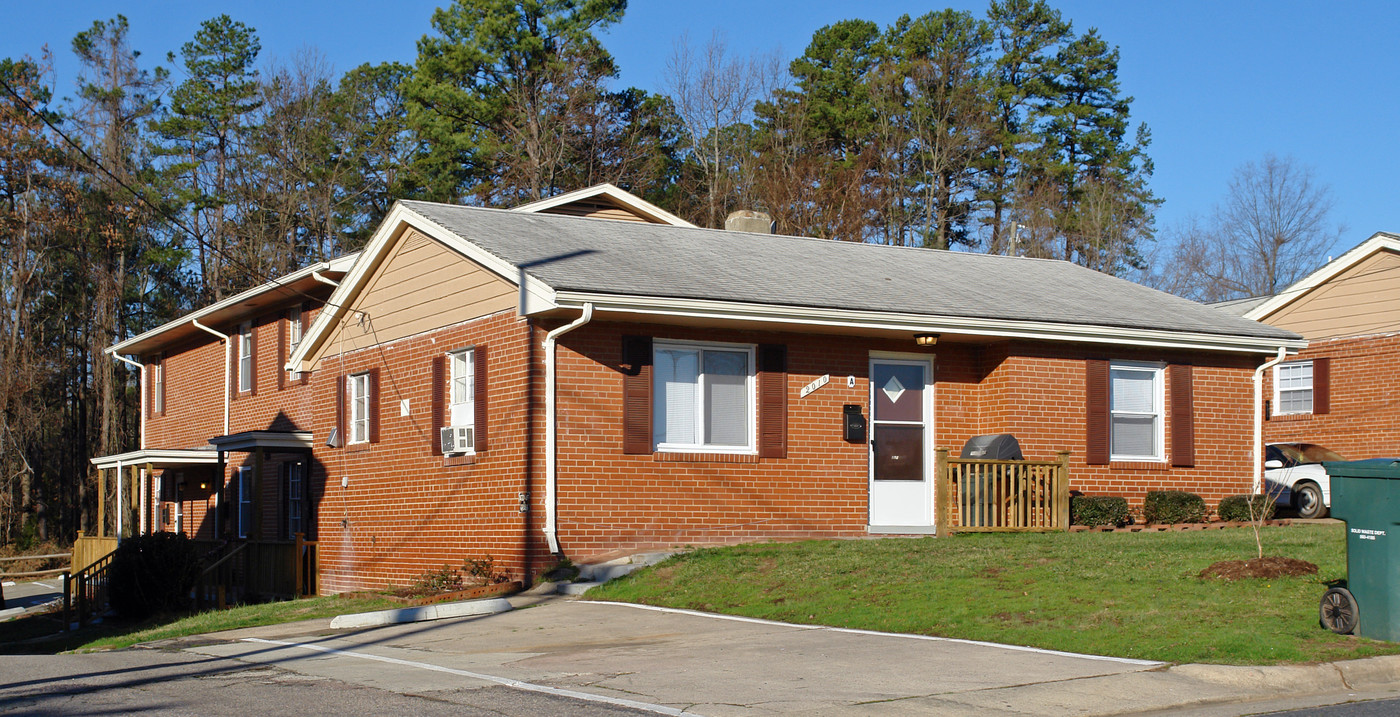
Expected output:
(677, 662)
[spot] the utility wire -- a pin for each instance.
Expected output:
(174, 221)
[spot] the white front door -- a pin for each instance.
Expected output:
(901, 404)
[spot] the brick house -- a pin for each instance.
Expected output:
(530, 384)
(1340, 391)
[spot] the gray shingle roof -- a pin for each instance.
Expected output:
(630, 258)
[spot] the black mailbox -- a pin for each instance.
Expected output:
(853, 425)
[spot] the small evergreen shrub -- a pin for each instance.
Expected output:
(1173, 506)
(1235, 508)
(1095, 510)
(153, 574)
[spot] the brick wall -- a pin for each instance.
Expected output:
(403, 511)
(1364, 416)
(195, 388)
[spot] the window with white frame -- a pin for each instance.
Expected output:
(295, 507)
(462, 381)
(245, 500)
(158, 386)
(293, 328)
(245, 357)
(358, 388)
(1293, 387)
(1136, 401)
(703, 397)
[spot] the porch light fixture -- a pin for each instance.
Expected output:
(926, 339)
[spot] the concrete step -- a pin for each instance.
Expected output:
(599, 573)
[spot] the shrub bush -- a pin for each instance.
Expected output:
(1173, 506)
(153, 574)
(1235, 508)
(1095, 510)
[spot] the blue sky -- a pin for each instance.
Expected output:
(1219, 83)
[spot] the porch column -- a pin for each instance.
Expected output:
(133, 503)
(940, 493)
(148, 504)
(101, 502)
(255, 534)
(220, 488)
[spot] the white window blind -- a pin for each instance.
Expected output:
(702, 397)
(1295, 387)
(359, 408)
(1136, 407)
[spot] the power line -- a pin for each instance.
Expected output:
(140, 196)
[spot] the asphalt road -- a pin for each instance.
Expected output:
(183, 683)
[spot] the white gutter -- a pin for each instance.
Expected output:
(228, 373)
(551, 472)
(1259, 417)
(317, 276)
(916, 323)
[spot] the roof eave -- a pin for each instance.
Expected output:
(920, 323)
(339, 264)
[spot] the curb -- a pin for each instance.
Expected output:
(422, 613)
(1366, 672)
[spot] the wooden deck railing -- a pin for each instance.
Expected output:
(1002, 496)
(86, 592)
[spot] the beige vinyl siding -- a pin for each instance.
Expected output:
(421, 286)
(596, 210)
(1364, 299)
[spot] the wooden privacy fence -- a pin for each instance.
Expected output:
(88, 549)
(1001, 496)
(237, 572)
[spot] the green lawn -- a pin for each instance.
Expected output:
(1121, 594)
(43, 634)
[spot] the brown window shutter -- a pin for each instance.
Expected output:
(479, 399)
(253, 359)
(1183, 416)
(636, 394)
(374, 405)
(233, 366)
(340, 410)
(772, 401)
(282, 354)
(1096, 422)
(305, 325)
(439, 405)
(1322, 386)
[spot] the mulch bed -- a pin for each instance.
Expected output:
(1270, 566)
(1167, 527)
(472, 593)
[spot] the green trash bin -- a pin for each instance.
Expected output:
(1366, 495)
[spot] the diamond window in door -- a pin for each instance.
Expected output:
(900, 396)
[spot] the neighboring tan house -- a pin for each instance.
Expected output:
(528, 386)
(1342, 391)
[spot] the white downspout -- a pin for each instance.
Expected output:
(228, 368)
(1259, 417)
(551, 473)
(141, 386)
(141, 371)
(317, 276)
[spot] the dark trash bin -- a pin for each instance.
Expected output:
(1366, 495)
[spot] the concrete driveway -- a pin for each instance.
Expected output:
(673, 662)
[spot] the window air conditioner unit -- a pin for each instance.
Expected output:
(457, 439)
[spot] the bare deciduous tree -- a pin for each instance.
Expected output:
(715, 92)
(1272, 229)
